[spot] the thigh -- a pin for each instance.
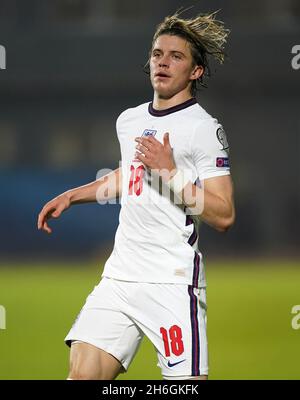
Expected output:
(103, 324)
(173, 317)
(91, 363)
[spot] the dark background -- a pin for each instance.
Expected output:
(74, 66)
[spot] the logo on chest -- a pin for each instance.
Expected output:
(149, 132)
(146, 133)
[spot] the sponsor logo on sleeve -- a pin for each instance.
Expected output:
(222, 162)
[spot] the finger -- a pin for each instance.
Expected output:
(142, 158)
(47, 228)
(144, 142)
(166, 140)
(54, 214)
(43, 215)
(57, 212)
(152, 140)
(143, 149)
(40, 220)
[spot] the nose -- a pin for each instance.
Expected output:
(163, 62)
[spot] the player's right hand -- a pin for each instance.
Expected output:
(52, 209)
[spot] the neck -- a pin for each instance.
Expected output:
(160, 103)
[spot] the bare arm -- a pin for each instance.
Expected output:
(213, 203)
(106, 188)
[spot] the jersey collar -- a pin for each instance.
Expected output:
(167, 111)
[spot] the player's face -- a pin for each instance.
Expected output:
(171, 66)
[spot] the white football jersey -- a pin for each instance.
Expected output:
(156, 241)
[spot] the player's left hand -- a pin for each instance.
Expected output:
(156, 155)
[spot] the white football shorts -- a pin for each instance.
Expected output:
(117, 314)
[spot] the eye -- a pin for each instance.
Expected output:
(177, 56)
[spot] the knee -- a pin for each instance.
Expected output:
(85, 375)
(199, 378)
(84, 372)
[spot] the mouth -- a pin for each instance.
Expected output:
(162, 75)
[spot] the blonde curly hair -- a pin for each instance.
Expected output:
(207, 37)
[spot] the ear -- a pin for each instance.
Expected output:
(197, 72)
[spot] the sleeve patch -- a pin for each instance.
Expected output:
(221, 135)
(222, 162)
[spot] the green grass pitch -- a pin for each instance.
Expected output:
(250, 334)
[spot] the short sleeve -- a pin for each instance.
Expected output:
(119, 122)
(210, 150)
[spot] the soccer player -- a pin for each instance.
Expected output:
(174, 174)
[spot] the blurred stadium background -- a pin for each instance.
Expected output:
(72, 67)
